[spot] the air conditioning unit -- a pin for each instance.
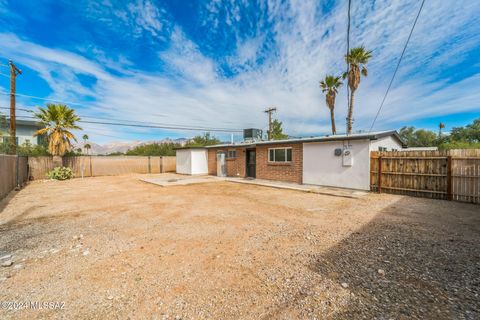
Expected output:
(252, 135)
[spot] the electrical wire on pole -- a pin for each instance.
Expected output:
(152, 126)
(270, 111)
(109, 119)
(146, 124)
(398, 65)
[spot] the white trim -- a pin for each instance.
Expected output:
(278, 148)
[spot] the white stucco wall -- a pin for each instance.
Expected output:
(192, 161)
(183, 161)
(199, 161)
(388, 142)
(322, 167)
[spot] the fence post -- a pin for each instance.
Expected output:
(379, 177)
(91, 169)
(149, 165)
(449, 179)
(161, 164)
(17, 164)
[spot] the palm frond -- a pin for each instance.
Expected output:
(364, 71)
(58, 119)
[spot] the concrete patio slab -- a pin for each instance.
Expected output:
(337, 192)
(183, 180)
(180, 180)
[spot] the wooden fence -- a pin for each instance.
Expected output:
(93, 166)
(13, 173)
(449, 174)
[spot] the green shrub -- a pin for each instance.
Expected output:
(60, 173)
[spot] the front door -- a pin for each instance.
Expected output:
(251, 163)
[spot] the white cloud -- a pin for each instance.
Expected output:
(134, 18)
(147, 16)
(307, 44)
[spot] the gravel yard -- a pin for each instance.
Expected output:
(118, 248)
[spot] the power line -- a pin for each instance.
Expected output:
(108, 119)
(44, 99)
(2, 74)
(158, 127)
(150, 126)
(154, 124)
(398, 65)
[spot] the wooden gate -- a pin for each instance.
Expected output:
(450, 174)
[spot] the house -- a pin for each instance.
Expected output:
(337, 160)
(25, 131)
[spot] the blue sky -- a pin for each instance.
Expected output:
(220, 63)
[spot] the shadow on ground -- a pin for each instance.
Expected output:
(431, 262)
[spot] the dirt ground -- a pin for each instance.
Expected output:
(119, 248)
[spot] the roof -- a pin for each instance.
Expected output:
(339, 137)
(187, 148)
(30, 123)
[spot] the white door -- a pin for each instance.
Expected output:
(221, 167)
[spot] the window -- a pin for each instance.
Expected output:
(280, 155)
(231, 154)
(382, 149)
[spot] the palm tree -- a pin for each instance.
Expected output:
(330, 85)
(58, 120)
(357, 58)
(441, 126)
(87, 146)
(85, 138)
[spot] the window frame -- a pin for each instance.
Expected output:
(286, 155)
(228, 154)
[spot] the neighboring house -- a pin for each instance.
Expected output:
(338, 161)
(25, 131)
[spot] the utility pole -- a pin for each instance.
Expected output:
(269, 111)
(14, 71)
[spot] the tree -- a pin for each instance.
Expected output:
(470, 133)
(3, 124)
(29, 149)
(330, 85)
(4, 147)
(357, 58)
(418, 138)
(441, 126)
(85, 139)
(153, 149)
(58, 120)
(201, 141)
(277, 130)
(87, 146)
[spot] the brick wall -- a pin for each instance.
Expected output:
(290, 172)
(235, 167)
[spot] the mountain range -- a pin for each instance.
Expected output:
(123, 146)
